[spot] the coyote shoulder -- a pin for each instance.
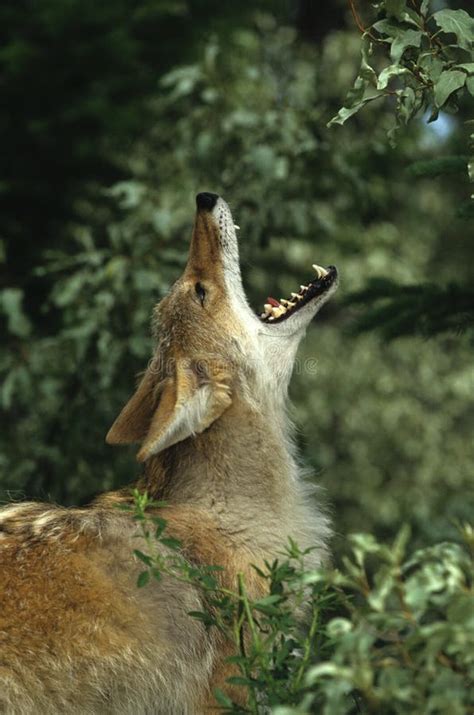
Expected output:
(76, 635)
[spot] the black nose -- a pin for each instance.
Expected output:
(206, 200)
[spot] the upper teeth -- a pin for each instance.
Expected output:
(237, 227)
(320, 271)
(276, 311)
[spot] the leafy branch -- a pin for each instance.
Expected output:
(381, 633)
(409, 54)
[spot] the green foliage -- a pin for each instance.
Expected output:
(390, 632)
(247, 118)
(77, 77)
(427, 70)
(117, 117)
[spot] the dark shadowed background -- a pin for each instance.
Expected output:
(114, 115)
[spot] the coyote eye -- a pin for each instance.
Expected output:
(201, 293)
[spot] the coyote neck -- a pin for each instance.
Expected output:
(241, 462)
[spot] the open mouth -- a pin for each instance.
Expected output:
(275, 311)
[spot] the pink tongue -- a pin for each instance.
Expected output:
(273, 302)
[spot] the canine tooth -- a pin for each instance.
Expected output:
(267, 308)
(236, 227)
(320, 271)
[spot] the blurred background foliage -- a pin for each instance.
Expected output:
(115, 115)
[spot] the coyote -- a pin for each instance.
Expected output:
(76, 635)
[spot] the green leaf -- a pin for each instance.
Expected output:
(388, 73)
(460, 23)
(222, 698)
(143, 579)
(384, 584)
(357, 98)
(171, 542)
(432, 67)
(409, 38)
(267, 600)
(143, 557)
(156, 573)
(239, 680)
(449, 81)
(11, 300)
(366, 70)
(466, 66)
(412, 17)
(401, 541)
(424, 7)
(206, 618)
(388, 28)
(407, 105)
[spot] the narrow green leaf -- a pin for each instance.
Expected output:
(424, 7)
(407, 105)
(11, 300)
(366, 71)
(345, 112)
(267, 600)
(238, 680)
(412, 17)
(143, 557)
(143, 579)
(206, 618)
(171, 542)
(222, 698)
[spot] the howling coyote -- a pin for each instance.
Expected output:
(76, 635)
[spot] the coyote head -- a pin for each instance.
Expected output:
(212, 351)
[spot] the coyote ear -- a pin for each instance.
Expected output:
(184, 405)
(133, 422)
(188, 404)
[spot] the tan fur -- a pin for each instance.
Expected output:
(76, 635)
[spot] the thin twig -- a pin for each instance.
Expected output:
(358, 21)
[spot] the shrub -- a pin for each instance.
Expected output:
(388, 632)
